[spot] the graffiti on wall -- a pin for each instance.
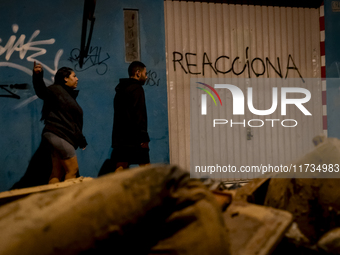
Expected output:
(19, 45)
(29, 51)
(94, 59)
(152, 79)
(7, 92)
(11, 93)
(252, 67)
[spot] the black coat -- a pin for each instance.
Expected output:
(61, 113)
(63, 117)
(130, 121)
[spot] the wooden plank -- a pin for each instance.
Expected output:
(12, 195)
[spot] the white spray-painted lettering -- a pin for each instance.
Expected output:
(20, 46)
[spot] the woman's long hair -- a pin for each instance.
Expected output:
(61, 74)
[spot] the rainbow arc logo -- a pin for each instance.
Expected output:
(204, 97)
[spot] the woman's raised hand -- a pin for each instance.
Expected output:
(37, 68)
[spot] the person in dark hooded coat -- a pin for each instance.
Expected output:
(130, 138)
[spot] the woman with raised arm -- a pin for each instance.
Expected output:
(63, 119)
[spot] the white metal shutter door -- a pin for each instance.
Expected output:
(227, 30)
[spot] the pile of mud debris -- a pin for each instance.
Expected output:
(159, 209)
(314, 203)
(307, 210)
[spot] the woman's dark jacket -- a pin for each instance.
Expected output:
(61, 113)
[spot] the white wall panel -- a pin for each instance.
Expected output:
(207, 31)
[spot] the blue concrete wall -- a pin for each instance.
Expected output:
(332, 49)
(53, 29)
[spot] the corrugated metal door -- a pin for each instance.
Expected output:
(204, 37)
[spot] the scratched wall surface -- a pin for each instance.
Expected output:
(208, 40)
(49, 32)
(332, 37)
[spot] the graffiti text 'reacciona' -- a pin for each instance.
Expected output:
(253, 67)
